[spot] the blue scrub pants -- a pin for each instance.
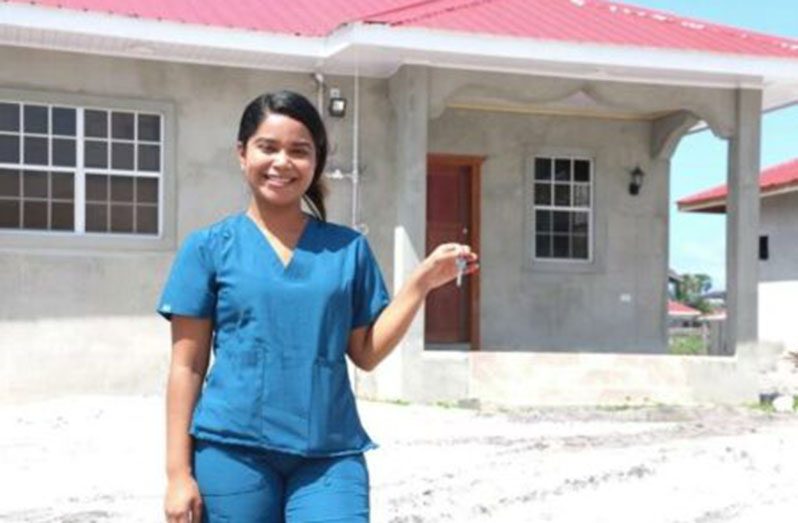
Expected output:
(244, 485)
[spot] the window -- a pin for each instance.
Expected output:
(562, 208)
(82, 170)
(764, 248)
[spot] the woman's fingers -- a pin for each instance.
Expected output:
(196, 510)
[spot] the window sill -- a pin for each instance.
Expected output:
(35, 241)
(563, 267)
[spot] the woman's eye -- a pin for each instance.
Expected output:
(299, 153)
(268, 149)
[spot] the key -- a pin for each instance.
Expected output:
(461, 266)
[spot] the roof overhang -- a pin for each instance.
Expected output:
(376, 50)
(718, 205)
(682, 315)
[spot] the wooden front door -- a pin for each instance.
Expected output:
(453, 194)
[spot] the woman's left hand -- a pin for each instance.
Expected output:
(440, 267)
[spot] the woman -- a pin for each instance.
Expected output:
(281, 296)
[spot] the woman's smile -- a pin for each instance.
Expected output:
(279, 180)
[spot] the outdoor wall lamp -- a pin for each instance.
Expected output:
(337, 107)
(636, 181)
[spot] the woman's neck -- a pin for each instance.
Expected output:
(277, 220)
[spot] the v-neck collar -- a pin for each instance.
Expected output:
(282, 268)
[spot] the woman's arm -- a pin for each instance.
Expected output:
(191, 341)
(368, 346)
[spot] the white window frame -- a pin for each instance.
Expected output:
(79, 239)
(533, 207)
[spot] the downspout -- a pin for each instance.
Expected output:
(355, 154)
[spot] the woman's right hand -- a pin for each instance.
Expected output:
(183, 502)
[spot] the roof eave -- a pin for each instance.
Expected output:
(379, 50)
(776, 77)
(121, 36)
(718, 205)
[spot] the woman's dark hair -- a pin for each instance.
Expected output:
(298, 107)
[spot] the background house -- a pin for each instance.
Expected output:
(515, 126)
(777, 249)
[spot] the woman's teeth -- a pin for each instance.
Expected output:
(279, 179)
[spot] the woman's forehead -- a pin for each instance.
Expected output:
(282, 128)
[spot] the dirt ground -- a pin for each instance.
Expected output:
(100, 459)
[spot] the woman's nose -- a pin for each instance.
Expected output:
(280, 158)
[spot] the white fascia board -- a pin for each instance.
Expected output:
(708, 204)
(702, 206)
(19, 17)
(597, 60)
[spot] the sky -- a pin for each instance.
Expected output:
(698, 241)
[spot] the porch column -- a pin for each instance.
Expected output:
(742, 224)
(409, 94)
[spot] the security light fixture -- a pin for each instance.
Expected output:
(337, 106)
(636, 181)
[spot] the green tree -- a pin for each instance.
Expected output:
(691, 288)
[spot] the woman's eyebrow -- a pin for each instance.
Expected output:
(270, 141)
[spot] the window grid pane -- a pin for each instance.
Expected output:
(562, 203)
(125, 146)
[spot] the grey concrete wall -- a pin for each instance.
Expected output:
(778, 276)
(614, 303)
(779, 221)
(47, 294)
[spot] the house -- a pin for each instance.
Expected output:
(777, 248)
(538, 131)
(681, 315)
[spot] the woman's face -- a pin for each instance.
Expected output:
(278, 160)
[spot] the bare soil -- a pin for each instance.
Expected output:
(100, 459)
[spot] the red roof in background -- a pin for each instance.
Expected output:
(772, 179)
(581, 21)
(676, 308)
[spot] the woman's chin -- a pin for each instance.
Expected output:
(278, 198)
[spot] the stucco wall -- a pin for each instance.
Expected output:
(50, 294)
(779, 221)
(778, 276)
(614, 303)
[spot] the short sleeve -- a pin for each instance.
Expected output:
(370, 296)
(190, 287)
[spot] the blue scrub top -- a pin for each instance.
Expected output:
(280, 333)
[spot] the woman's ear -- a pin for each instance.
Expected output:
(241, 152)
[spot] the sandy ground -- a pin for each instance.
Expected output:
(99, 459)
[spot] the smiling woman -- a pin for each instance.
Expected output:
(282, 297)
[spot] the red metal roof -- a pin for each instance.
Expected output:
(581, 21)
(295, 17)
(594, 21)
(773, 179)
(679, 309)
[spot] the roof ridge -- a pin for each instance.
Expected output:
(453, 5)
(397, 9)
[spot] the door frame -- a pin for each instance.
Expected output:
(474, 163)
